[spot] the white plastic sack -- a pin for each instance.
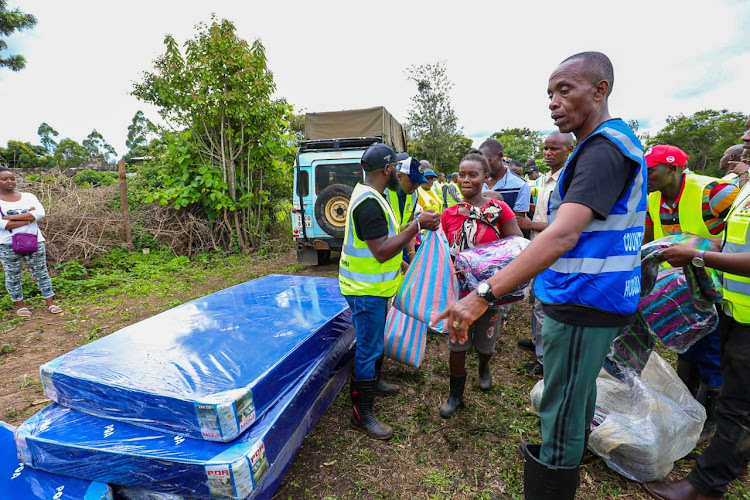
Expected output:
(642, 425)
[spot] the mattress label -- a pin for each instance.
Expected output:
(245, 410)
(220, 481)
(48, 385)
(23, 449)
(259, 462)
(227, 420)
(208, 421)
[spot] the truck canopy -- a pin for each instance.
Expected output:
(370, 122)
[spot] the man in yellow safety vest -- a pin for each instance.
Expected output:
(727, 455)
(680, 202)
(370, 274)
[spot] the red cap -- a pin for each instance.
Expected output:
(665, 155)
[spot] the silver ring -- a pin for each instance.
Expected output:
(456, 324)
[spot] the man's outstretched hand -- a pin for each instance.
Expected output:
(460, 315)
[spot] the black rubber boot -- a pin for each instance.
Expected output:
(485, 377)
(546, 482)
(708, 396)
(456, 398)
(382, 386)
(363, 419)
(690, 375)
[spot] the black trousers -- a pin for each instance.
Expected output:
(729, 451)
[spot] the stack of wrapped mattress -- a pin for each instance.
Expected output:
(211, 399)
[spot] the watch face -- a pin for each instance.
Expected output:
(483, 288)
(698, 262)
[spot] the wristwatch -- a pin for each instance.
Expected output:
(484, 290)
(698, 259)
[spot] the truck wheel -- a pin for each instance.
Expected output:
(330, 209)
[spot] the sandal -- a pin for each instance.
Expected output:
(55, 309)
(23, 312)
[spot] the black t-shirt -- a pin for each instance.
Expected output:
(597, 177)
(369, 220)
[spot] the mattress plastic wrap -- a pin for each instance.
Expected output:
(642, 425)
(20, 482)
(483, 261)
(209, 368)
(69, 442)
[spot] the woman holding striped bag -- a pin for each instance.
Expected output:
(475, 221)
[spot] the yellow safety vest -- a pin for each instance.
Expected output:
(427, 199)
(408, 207)
(690, 208)
(360, 273)
(737, 288)
(448, 199)
(437, 188)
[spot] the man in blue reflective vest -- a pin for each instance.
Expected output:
(587, 268)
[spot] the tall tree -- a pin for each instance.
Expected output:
(46, 133)
(140, 132)
(703, 135)
(226, 152)
(95, 145)
(25, 155)
(520, 143)
(10, 21)
(432, 123)
(70, 154)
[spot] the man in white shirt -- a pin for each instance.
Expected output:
(557, 148)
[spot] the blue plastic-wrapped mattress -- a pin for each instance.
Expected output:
(210, 367)
(66, 441)
(19, 482)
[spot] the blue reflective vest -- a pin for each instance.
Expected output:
(603, 270)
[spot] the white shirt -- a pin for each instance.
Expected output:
(26, 202)
(542, 201)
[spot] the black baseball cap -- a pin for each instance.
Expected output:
(532, 169)
(379, 155)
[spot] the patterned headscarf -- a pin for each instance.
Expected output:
(465, 237)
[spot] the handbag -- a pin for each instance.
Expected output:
(23, 243)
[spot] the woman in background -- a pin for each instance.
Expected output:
(18, 214)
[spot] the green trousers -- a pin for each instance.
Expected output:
(573, 356)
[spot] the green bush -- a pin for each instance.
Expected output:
(89, 178)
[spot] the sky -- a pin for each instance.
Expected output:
(670, 57)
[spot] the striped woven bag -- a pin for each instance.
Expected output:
(429, 287)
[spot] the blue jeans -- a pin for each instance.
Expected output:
(368, 315)
(706, 355)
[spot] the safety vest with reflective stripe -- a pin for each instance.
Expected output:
(448, 199)
(690, 207)
(427, 199)
(603, 270)
(360, 273)
(737, 288)
(437, 188)
(401, 218)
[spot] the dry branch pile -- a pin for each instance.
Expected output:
(82, 223)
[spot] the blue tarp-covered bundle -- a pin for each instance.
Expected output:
(20, 482)
(209, 368)
(69, 442)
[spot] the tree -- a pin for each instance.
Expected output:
(95, 145)
(24, 155)
(704, 136)
(520, 143)
(140, 132)
(70, 154)
(10, 21)
(46, 133)
(432, 123)
(459, 146)
(228, 140)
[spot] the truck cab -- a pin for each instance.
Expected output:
(326, 171)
